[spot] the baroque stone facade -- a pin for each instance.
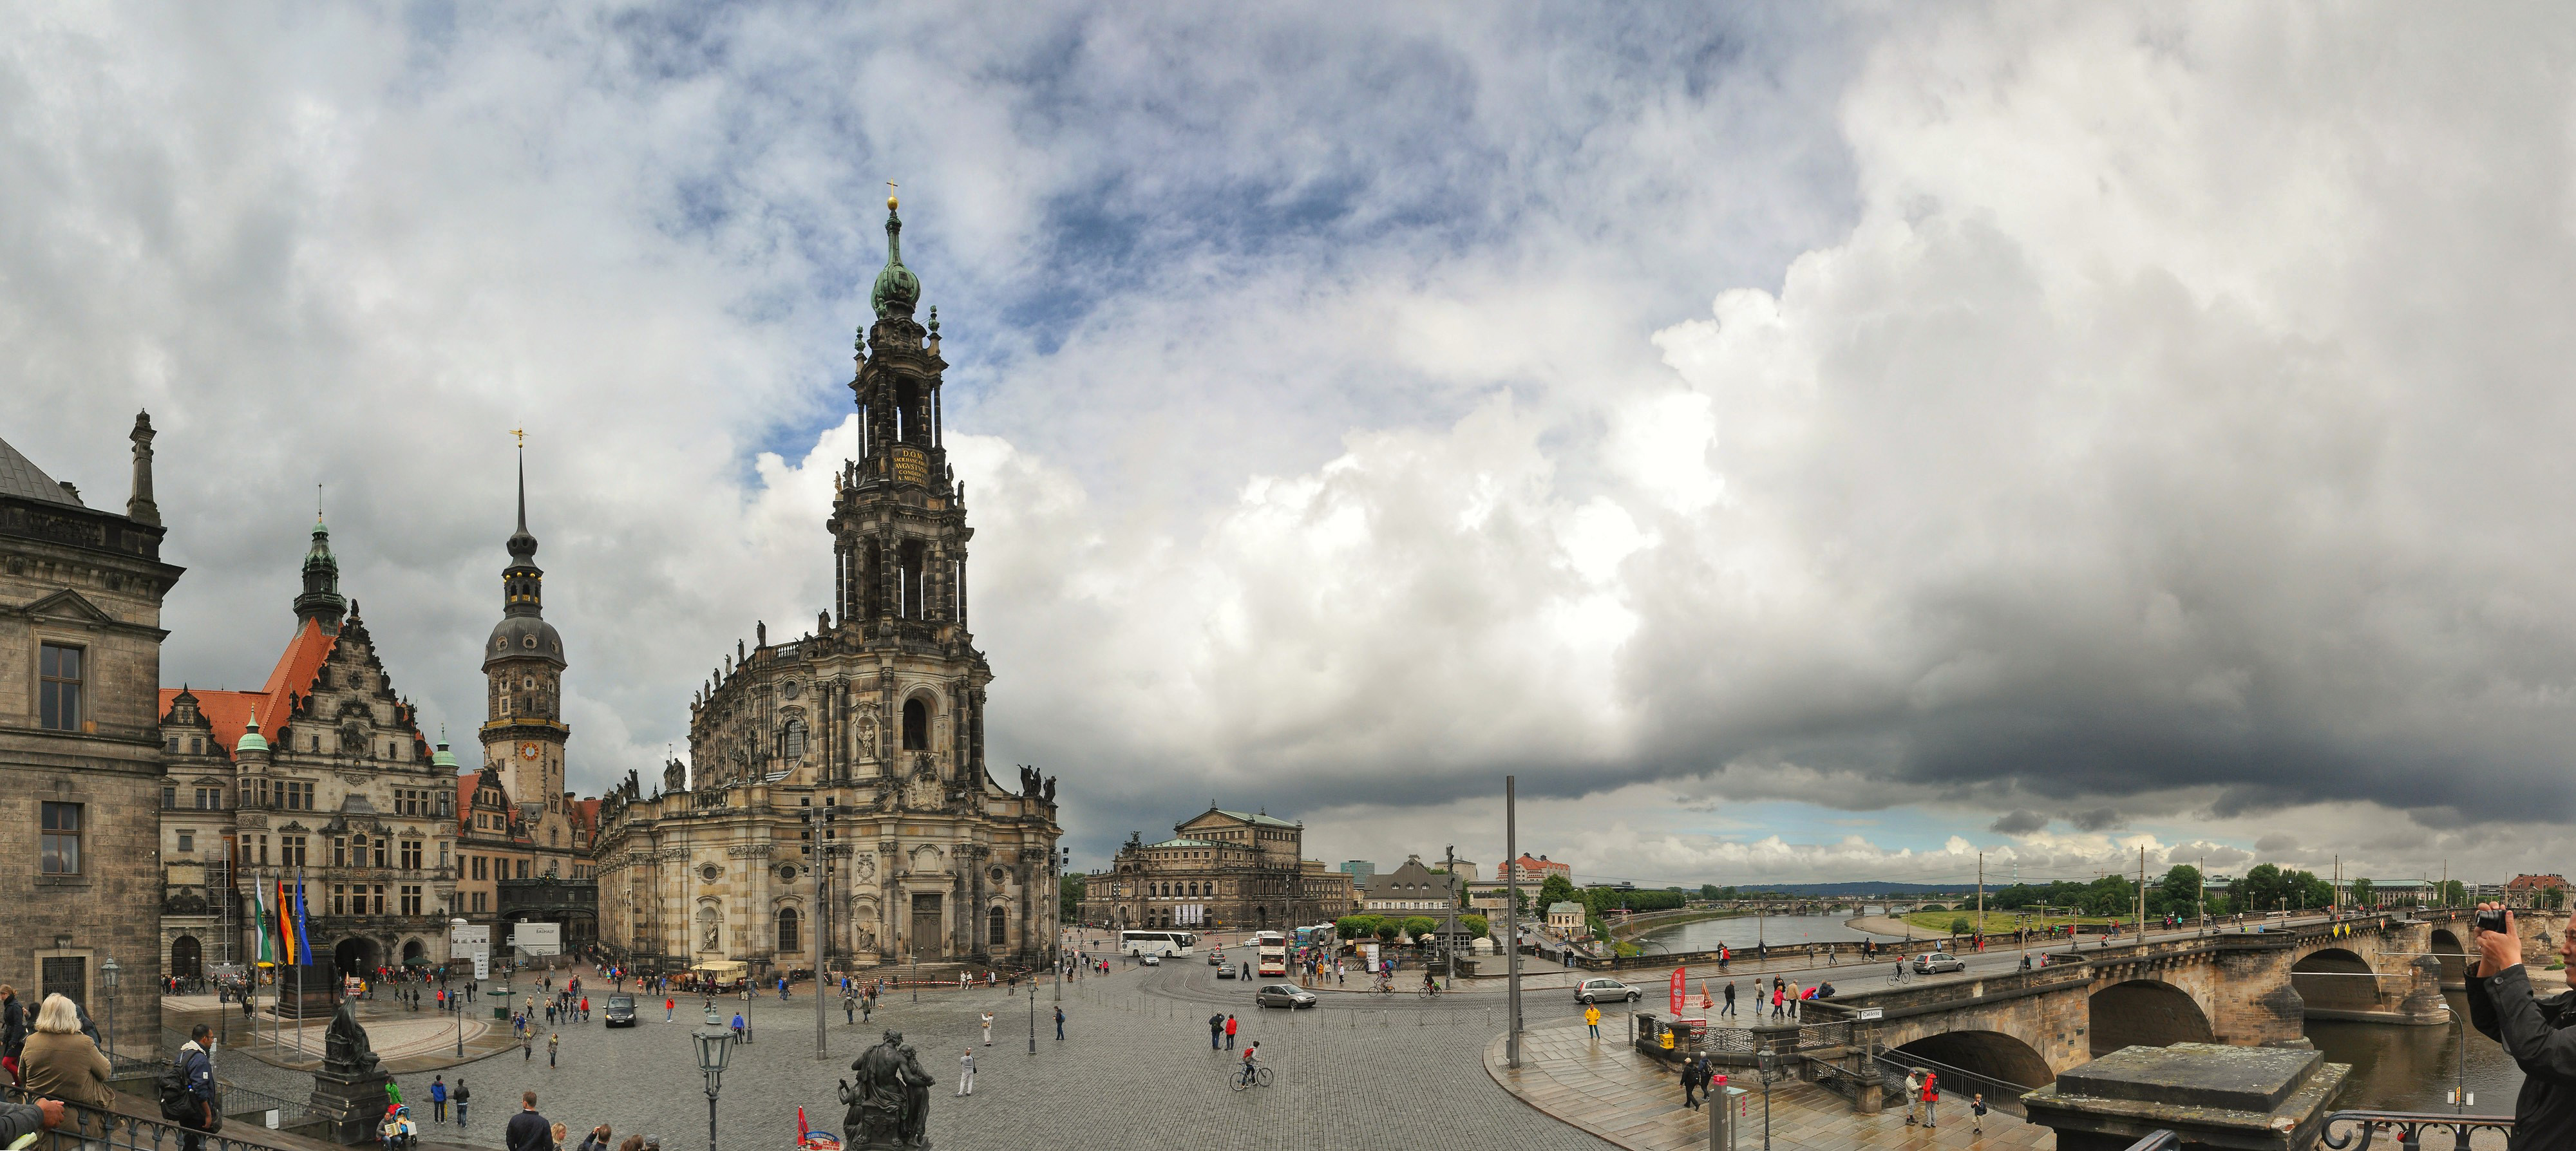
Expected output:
(856, 749)
(1221, 868)
(81, 590)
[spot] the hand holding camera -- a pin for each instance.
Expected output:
(2499, 945)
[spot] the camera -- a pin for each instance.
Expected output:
(2492, 920)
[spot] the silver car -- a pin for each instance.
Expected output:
(1936, 962)
(1596, 990)
(1287, 995)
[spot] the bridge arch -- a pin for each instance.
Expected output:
(2144, 1013)
(2332, 979)
(1992, 1054)
(2454, 958)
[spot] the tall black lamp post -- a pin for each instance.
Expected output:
(715, 1047)
(108, 972)
(1766, 1062)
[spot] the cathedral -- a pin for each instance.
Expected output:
(837, 784)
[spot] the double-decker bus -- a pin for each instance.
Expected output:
(1272, 948)
(1139, 943)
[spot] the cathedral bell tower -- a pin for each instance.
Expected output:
(523, 731)
(899, 535)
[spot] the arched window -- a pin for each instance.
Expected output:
(997, 930)
(791, 740)
(908, 558)
(787, 941)
(916, 726)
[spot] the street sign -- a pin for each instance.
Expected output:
(482, 965)
(1870, 1013)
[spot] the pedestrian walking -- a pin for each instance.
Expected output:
(438, 1099)
(1592, 1019)
(463, 1097)
(1230, 1026)
(554, 1043)
(668, 1006)
(966, 1074)
(1059, 1023)
(1694, 1079)
(527, 1046)
(1729, 1008)
(849, 1008)
(988, 1028)
(1977, 1114)
(1216, 1031)
(867, 1007)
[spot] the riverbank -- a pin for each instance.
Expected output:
(1884, 925)
(1633, 928)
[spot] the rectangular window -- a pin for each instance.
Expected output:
(523, 869)
(478, 869)
(61, 846)
(478, 901)
(380, 899)
(442, 855)
(67, 976)
(58, 689)
(411, 855)
(411, 900)
(187, 841)
(339, 851)
(170, 798)
(380, 853)
(339, 899)
(290, 851)
(263, 850)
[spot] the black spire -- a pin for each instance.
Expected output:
(522, 583)
(523, 547)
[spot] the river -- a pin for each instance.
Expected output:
(1744, 931)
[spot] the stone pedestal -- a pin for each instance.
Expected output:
(350, 1104)
(2213, 1095)
(314, 1000)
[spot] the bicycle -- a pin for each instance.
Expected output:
(1903, 975)
(1383, 988)
(1248, 1077)
(1428, 991)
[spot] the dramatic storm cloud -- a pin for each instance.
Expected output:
(1797, 448)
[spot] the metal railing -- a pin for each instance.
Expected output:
(1956, 1083)
(2409, 1127)
(89, 1129)
(2158, 1141)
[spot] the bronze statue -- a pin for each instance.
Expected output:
(345, 1049)
(889, 1105)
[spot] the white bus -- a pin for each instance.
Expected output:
(1139, 943)
(1271, 949)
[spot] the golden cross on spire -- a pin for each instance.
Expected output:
(522, 433)
(890, 187)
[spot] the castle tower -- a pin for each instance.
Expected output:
(523, 731)
(321, 599)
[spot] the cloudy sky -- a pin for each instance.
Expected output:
(1798, 445)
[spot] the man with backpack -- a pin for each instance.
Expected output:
(187, 1091)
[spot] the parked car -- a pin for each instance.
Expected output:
(1287, 995)
(621, 1011)
(1935, 962)
(1596, 990)
(1153, 960)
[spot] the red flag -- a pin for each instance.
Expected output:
(1680, 989)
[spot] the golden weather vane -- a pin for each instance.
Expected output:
(522, 433)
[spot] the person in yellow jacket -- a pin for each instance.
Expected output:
(1592, 1019)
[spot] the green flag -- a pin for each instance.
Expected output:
(260, 897)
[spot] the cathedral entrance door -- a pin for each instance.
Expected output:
(929, 934)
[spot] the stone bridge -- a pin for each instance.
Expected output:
(2025, 1027)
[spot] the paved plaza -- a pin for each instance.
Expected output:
(1135, 1058)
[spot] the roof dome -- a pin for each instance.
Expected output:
(250, 739)
(523, 635)
(897, 289)
(443, 757)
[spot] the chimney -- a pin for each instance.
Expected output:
(140, 507)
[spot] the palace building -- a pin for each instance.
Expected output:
(1221, 868)
(837, 781)
(81, 590)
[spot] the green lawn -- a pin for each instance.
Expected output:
(1997, 922)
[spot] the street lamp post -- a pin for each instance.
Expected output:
(715, 1048)
(1766, 1062)
(453, 1007)
(108, 971)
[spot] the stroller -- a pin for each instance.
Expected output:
(808, 1139)
(397, 1132)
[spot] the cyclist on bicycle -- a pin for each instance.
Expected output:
(1430, 985)
(1251, 1055)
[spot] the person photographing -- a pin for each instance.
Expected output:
(2531, 1029)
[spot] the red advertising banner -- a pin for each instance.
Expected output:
(1680, 988)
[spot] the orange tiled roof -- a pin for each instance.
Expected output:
(232, 711)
